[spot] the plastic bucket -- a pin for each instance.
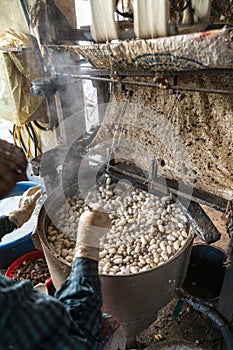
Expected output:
(18, 242)
(32, 255)
(205, 272)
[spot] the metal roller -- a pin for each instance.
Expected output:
(150, 18)
(103, 26)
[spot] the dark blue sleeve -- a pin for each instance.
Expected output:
(81, 294)
(35, 321)
(6, 226)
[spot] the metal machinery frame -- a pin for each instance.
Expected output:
(55, 87)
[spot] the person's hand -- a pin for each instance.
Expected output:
(92, 226)
(26, 206)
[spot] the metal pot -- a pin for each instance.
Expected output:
(132, 299)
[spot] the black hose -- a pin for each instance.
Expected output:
(212, 314)
(37, 148)
(227, 337)
(43, 128)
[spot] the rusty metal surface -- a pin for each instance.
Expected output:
(191, 132)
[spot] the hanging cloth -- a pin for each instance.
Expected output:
(19, 65)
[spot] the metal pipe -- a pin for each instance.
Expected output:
(25, 12)
(155, 85)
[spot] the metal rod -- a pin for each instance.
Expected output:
(25, 12)
(14, 49)
(198, 196)
(156, 85)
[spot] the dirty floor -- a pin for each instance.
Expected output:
(188, 327)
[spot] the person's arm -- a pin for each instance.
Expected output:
(81, 292)
(22, 214)
(33, 320)
(26, 206)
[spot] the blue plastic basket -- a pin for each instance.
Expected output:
(17, 247)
